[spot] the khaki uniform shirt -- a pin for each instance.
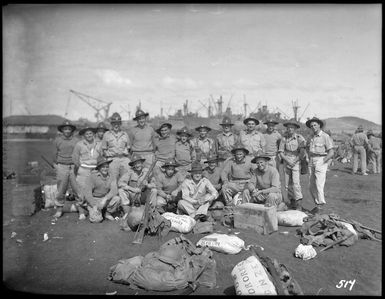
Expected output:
(359, 138)
(204, 146)
(292, 145)
(132, 178)
(263, 180)
(184, 152)
(319, 144)
(225, 143)
(375, 143)
(191, 192)
(116, 144)
(253, 142)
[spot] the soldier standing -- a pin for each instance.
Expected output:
(272, 138)
(250, 138)
(203, 144)
(226, 140)
(359, 143)
(164, 146)
(85, 156)
(116, 146)
(64, 166)
(184, 151)
(142, 138)
(320, 150)
(374, 152)
(100, 130)
(291, 151)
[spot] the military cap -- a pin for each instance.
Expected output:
(82, 131)
(320, 122)
(251, 118)
(286, 124)
(102, 126)
(271, 121)
(140, 113)
(135, 158)
(196, 167)
(115, 118)
(239, 147)
(226, 121)
(184, 130)
(259, 156)
(202, 127)
(102, 160)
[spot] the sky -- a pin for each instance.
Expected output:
(325, 57)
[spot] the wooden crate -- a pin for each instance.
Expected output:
(257, 217)
(25, 199)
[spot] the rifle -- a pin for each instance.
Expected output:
(45, 159)
(139, 234)
(141, 185)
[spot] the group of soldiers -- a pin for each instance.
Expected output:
(367, 148)
(110, 169)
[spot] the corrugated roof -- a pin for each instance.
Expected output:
(30, 120)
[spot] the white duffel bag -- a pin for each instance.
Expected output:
(49, 195)
(305, 252)
(223, 243)
(251, 278)
(291, 218)
(180, 223)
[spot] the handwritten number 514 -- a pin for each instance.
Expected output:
(344, 283)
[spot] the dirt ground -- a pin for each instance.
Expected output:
(78, 254)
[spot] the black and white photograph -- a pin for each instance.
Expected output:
(192, 149)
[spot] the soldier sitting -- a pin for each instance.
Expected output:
(100, 190)
(132, 184)
(197, 194)
(265, 185)
(168, 186)
(236, 173)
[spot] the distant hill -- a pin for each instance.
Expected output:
(349, 124)
(29, 120)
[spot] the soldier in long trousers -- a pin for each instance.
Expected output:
(84, 156)
(164, 147)
(374, 152)
(204, 145)
(225, 141)
(359, 143)
(320, 150)
(64, 166)
(251, 138)
(272, 139)
(184, 151)
(116, 147)
(291, 151)
(142, 138)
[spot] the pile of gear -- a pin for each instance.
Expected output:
(329, 230)
(177, 265)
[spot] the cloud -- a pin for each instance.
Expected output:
(176, 83)
(112, 77)
(245, 83)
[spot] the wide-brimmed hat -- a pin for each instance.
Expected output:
(170, 162)
(202, 127)
(211, 158)
(140, 113)
(195, 167)
(239, 147)
(184, 130)
(251, 118)
(321, 123)
(66, 123)
(163, 125)
(115, 118)
(271, 121)
(102, 126)
(102, 160)
(82, 131)
(286, 124)
(135, 158)
(260, 155)
(226, 121)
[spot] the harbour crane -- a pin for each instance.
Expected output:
(97, 104)
(299, 119)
